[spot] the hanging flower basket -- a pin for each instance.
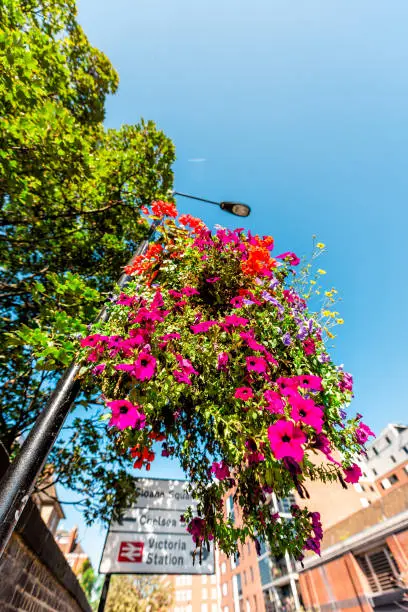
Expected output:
(212, 352)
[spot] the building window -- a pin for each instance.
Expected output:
(249, 548)
(265, 571)
(285, 504)
(358, 487)
(372, 488)
(248, 606)
(230, 508)
(223, 568)
(185, 580)
(213, 593)
(245, 578)
(239, 583)
(255, 604)
(375, 451)
(214, 608)
(204, 607)
(183, 595)
(225, 589)
(393, 459)
(364, 502)
(375, 472)
(251, 569)
(203, 579)
(226, 609)
(213, 579)
(405, 449)
(385, 484)
(379, 569)
(204, 593)
(388, 439)
(393, 479)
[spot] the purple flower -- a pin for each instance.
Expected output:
(274, 283)
(286, 339)
(303, 333)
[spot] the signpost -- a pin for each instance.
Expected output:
(151, 538)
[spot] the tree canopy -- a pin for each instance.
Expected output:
(70, 194)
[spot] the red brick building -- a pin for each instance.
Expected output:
(364, 561)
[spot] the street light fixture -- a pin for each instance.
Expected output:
(235, 208)
(18, 482)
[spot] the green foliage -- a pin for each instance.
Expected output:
(70, 194)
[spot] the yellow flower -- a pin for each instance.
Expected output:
(320, 245)
(328, 294)
(312, 282)
(340, 321)
(330, 335)
(320, 271)
(327, 313)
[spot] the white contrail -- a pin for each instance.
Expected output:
(197, 160)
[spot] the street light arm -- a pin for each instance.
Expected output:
(186, 195)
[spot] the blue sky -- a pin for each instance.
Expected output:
(299, 109)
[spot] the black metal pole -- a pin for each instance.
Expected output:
(190, 197)
(18, 482)
(104, 594)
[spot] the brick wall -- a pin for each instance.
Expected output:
(27, 584)
(34, 574)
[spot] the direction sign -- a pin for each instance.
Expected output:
(151, 538)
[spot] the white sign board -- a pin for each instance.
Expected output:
(151, 539)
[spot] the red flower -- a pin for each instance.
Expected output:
(161, 209)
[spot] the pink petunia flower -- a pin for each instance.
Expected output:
(346, 384)
(256, 364)
(286, 440)
(186, 364)
(362, 433)
(204, 326)
(181, 377)
(322, 444)
(291, 257)
(189, 291)
(287, 386)
(309, 346)
(222, 361)
(145, 366)
(213, 279)
(275, 404)
(254, 457)
(307, 412)
(237, 301)
(125, 414)
(313, 383)
(235, 321)
(166, 339)
(175, 294)
(353, 473)
(99, 369)
(126, 300)
(243, 393)
(92, 340)
(220, 470)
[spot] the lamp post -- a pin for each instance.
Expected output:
(18, 482)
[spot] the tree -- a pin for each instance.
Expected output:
(87, 578)
(70, 195)
(139, 594)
